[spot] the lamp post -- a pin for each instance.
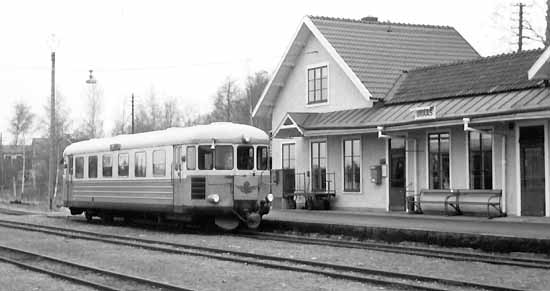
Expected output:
(51, 171)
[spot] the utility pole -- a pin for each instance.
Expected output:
(520, 26)
(133, 113)
(51, 171)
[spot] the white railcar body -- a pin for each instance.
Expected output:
(218, 170)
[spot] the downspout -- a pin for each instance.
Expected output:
(503, 163)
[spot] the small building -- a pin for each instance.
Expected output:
(378, 111)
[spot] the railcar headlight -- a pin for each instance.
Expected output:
(269, 197)
(213, 198)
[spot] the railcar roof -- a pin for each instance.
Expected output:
(222, 132)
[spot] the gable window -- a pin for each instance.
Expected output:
(92, 167)
(480, 146)
(140, 164)
(317, 85)
(288, 156)
(438, 149)
(352, 165)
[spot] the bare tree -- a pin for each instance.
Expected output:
(21, 122)
(535, 35)
(224, 102)
(122, 125)
(170, 113)
(255, 85)
(92, 126)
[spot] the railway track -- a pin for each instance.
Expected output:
(408, 250)
(373, 276)
(78, 273)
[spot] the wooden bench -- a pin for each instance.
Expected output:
(489, 198)
(445, 197)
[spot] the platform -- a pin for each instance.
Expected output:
(503, 234)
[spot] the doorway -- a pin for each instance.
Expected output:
(532, 172)
(397, 174)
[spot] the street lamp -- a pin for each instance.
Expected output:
(91, 79)
(53, 44)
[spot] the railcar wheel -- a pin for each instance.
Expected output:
(88, 216)
(226, 222)
(253, 220)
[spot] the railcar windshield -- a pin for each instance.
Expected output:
(206, 158)
(245, 158)
(224, 157)
(261, 157)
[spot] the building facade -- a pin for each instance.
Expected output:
(378, 111)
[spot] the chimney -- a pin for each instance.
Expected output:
(370, 19)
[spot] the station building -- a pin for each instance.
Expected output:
(377, 111)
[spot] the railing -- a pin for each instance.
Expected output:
(303, 184)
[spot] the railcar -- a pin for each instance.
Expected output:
(218, 171)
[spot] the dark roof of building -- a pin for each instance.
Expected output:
(518, 101)
(378, 52)
(488, 75)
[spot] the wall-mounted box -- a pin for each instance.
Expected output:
(376, 174)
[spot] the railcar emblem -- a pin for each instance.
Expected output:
(246, 188)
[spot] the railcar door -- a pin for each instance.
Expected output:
(178, 178)
(67, 177)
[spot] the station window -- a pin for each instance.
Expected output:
(123, 165)
(262, 157)
(480, 147)
(224, 157)
(79, 167)
(245, 158)
(352, 165)
(140, 164)
(317, 88)
(92, 167)
(107, 166)
(159, 163)
(206, 158)
(438, 148)
(191, 158)
(288, 156)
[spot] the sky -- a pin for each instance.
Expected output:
(186, 49)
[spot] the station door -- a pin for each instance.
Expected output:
(397, 166)
(531, 148)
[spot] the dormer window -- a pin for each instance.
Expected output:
(317, 85)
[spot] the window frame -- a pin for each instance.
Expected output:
(194, 147)
(322, 101)
(490, 131)
(96, 166)
(253, 156)
(83, 167)
(118, 165)
(135, 163)
(428, 164)
(352, 138)
(153, 162)
(103, 165)
(289, 159)
(257, 157)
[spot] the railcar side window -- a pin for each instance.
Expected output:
(70, 165)
(123, 165)
(79, 167)
(140, 163)
(159, 163)
(191, 158)
(245, 158)
(224, 157)
(92, 167)
(206, 158)
(261, 157)
(107, 166)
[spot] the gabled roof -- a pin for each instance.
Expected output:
(493, 74)
(378, 52)
(541, 68)
(372, 54)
